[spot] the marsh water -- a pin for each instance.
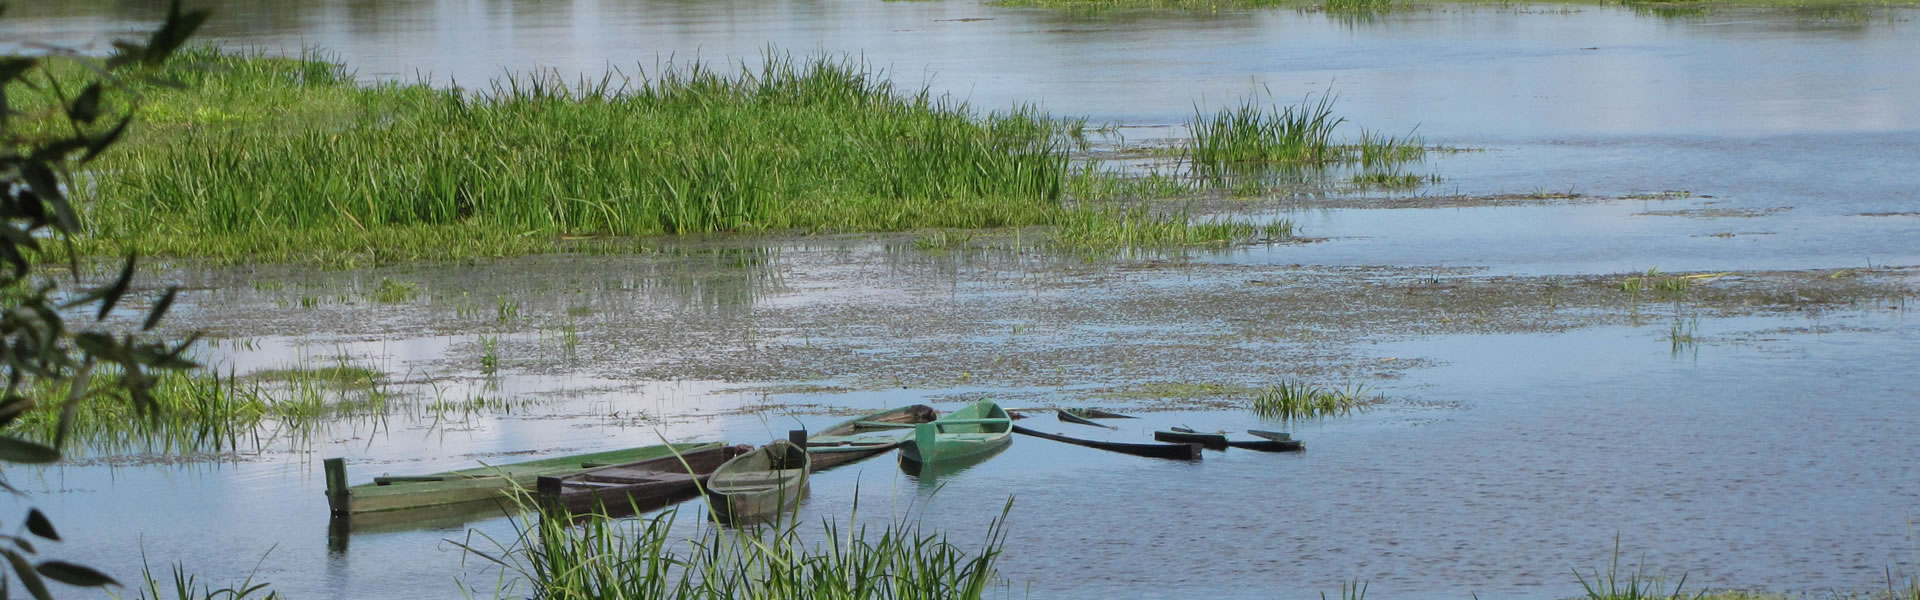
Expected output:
(1767, 444)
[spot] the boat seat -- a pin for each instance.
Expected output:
(758, 480)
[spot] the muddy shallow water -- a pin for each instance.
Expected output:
(1753, 431)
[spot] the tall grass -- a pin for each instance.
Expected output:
(1254, 142)
(1292, 399)
(1250, 132)
(645, 558)
(820, 143)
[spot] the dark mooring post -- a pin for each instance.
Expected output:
(337, 494)
(797, 437)
(547, 494)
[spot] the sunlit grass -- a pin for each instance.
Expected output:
(649, 558)
(1290, 400)
(1137, 229)
(818, 144)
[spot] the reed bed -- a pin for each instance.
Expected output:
(1256, 137)
(603, 558)
(1290, 400)
(276, 156)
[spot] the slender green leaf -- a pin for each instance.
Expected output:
(28, 575)
(40, 526)
(72, 574)
(15, 450)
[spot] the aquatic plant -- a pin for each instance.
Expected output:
(815, 144)
(639, 558)
(1295, 399)
(1136, 228)
(1637, 585)
(189, 586)
(1251, 132)
(395, 292)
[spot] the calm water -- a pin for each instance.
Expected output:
(1778, 454)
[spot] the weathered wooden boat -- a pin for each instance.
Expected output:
(1268, 445)
(1212, 441)
(979, 428)
(485, 483)
(1069, 417)
(866, 436)
(636, 486)
(1170, 451)
(764, 482)
(1095, 413)
(1277, 436)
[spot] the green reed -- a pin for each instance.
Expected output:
(1254, 145)
(603, 558)
(1294, 399)
(818, 144)
(1252, 132)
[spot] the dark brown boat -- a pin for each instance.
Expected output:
(1268, 445)
(1182, 435)
(866, 436)
(634, 487)
(1172, 451)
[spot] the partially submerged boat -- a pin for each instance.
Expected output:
(634, 487)
(1219, 441)
(856, 439)
(1096, 413)
(1069, 416)
(766, 481)
(1182, 435)
(1170, 451)
(979, 428)
(468, 486)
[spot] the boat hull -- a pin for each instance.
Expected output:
(980, 428)
(765, 482)
(470, 486)
(1167, 451)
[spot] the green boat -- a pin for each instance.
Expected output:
(979, 428)
(866, 436)
(409, 492)
(766, 482)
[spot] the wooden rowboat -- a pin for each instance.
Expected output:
(764, 482)
(634, 487)
(1172, 451)
(979, 428)
(1268, 445)
(1271, 435)
(866, 436)
(466, 486)
(1070, 417)
(1213, 441)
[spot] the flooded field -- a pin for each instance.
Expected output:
(1665, 295)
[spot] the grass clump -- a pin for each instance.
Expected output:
(395, 292)
(818, 144)
(1290, 400)
(1253, 142)
(641, 558)
(1135, 228)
